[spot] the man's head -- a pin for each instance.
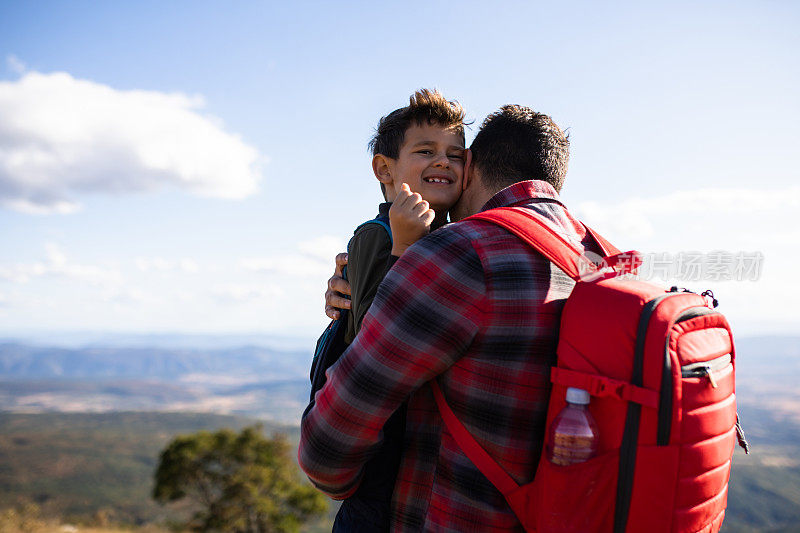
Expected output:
(514, 144)
(422, 144)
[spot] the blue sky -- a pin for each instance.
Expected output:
(684, 122)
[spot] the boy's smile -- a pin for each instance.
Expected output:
(431, 161)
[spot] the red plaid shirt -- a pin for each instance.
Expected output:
(475, 307)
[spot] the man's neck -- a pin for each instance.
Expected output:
(481, 197)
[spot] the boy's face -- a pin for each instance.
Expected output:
(431, 161)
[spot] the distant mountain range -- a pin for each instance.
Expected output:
(21, 361)
(198, 341)
(251, 380)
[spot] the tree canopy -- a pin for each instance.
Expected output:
(239, 482)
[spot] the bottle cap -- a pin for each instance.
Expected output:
(577, 396)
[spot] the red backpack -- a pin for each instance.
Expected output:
(659, 365)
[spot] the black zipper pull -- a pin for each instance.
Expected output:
(675, 288)
(710, 294)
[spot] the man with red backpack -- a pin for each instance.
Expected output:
(476, 309)
(465, 326)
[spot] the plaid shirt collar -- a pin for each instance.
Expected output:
(523, 192)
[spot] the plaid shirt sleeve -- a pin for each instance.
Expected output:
(424, 317)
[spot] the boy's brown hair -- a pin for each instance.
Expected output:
(424, 107)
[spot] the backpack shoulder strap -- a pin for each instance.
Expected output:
(479, 457)
(540, 236)
(380, 220)
(607, 247)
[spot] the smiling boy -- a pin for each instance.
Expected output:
(421, 145)
(418, 150)
(430, 160)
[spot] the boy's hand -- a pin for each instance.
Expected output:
(410, 217)
(337, 288)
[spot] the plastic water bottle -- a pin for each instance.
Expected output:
(573, 433)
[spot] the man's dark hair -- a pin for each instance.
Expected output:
(515, 144)
(424, 107)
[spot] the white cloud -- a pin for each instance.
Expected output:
(61, 136)
(324, 248)
(55, 255)
(295, 265)
(159, 264)
(636, 218)
(243, 293)
(721, 200)
(145, 264)
(314, 258)
(715, 226)
(56, 264)
(128, 296)
(15, 64)
(189, 266)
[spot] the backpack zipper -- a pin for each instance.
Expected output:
(706, 369)
(665, 400)
(630, 436)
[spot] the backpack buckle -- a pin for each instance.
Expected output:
(601, 386)
(594, 267)
(608, 387)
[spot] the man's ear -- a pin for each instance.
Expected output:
(468, 169)
(381, 166)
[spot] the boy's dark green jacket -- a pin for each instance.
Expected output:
(367, 264)
(369, 509)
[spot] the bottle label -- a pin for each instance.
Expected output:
(570, 449)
